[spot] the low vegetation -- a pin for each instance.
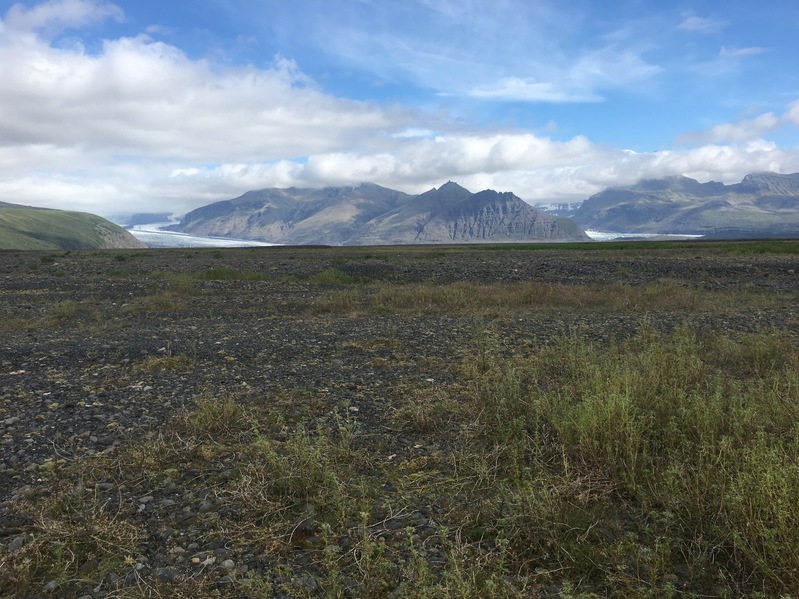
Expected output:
(504, 299)
(658, 463)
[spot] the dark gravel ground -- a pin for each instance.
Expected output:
(77, 330)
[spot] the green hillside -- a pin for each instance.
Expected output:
(23, 228)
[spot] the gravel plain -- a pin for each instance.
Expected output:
(80, 333)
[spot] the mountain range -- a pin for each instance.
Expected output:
(368, 214)
(762, 204)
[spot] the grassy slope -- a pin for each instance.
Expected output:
(38, 229)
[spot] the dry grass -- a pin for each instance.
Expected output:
(497, 300)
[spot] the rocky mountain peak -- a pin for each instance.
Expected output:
(762, 204)
(372, 215)
(772, 182)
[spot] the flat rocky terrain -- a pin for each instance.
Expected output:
(101, 352)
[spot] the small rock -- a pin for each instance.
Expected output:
(310, 584)
(50, 586)
(395, 524)
(16, 543)
(26, 492)
(228, 565)
(167, 574)
(307, 527)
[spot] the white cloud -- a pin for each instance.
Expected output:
(536, 169)
(55, 16)
(700, 24)
(582, 81)
(792, 114)
(728, 60)
(735, 132)
(528, 90)
(734, 53)
(141, 96)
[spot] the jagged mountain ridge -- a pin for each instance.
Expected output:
(762, 204)
(368, 214)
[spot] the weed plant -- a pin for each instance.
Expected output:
(661, 463)
(63, 310)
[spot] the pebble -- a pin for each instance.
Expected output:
(50, 586)
(228, 565)
(17, 543)
(166, 574)
(26, 492)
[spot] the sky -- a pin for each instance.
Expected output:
(152, 106)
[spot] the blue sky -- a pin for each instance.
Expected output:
(119, 107)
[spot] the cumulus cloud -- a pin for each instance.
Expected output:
(735, 132)
(142, 96)
(536, 169)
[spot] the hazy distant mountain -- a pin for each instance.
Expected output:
(763, 204)
(26, 228)
(145, 218)
(559, 208)
(368, 214)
